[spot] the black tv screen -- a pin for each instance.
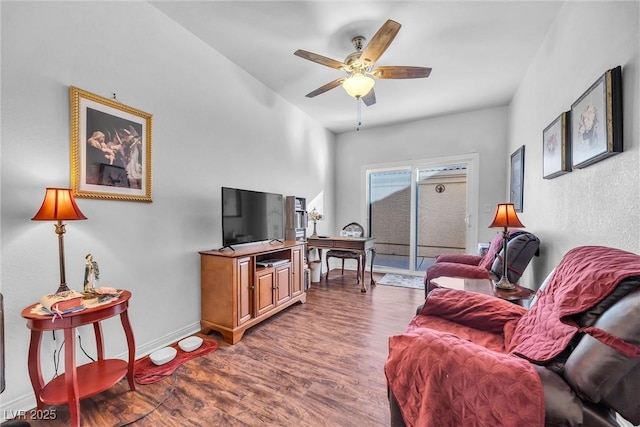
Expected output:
(251, 216)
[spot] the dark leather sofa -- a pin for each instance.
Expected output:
(589, 381)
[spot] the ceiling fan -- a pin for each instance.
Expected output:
(359, 65)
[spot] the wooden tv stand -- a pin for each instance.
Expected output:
(238, 293)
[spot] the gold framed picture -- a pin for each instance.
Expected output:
(110, 148)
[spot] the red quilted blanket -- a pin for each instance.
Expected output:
(456, 363)
(584, 277)
(451, 368)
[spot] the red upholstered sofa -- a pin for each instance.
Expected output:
(521, 247)
(572, 358)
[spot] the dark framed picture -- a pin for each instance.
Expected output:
(517, 179)
(596, 121)
(110, 148)
(556, 147)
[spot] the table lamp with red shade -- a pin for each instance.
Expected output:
(59, 205)
(505, 218)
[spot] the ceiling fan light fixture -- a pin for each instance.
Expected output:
(358, 85)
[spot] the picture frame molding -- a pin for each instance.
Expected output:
(611, 82)
(564, 145)
(516, 185)
(80, 101)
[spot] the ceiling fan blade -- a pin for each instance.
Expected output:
(369, 98)
(380, 41)
(328, 86)
(396, 72)
(331, 63)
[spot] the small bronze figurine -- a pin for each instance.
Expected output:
(91, 273)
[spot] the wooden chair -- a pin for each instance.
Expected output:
(356, 230)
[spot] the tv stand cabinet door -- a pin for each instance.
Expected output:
(283, 284)
(244, 287)
(265, 282)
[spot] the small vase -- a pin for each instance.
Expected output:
(315, 233)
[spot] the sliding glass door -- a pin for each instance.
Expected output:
(441, 198)
(390, 217)
(417, 211)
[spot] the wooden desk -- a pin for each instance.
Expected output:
(94, 377)
(483, 286)
(360, 245)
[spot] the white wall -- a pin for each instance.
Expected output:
(598, 205)
(483, 132)
(213, 125)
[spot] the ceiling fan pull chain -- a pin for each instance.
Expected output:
(359, 113)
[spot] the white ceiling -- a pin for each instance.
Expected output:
(479, 50)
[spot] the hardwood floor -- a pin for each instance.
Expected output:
(314, 364)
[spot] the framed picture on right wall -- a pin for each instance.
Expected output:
(596, 121)
(516, 186)
(556, 147)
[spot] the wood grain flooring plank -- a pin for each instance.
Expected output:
(315, 364)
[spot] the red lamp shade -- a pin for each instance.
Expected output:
(506, 217)
(59, 205)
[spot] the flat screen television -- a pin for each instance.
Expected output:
(251, 216)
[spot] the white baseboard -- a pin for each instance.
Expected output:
(24, 403)
(18, 407)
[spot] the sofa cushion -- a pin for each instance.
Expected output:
(583, 278)
(601, 373)
(520, 249)
(478, 311)
(440, 379)
(459, 258)
(562, 406)
(589, 317)
(452, 269)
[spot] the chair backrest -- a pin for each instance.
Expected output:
(494, 247)
(354, 229)
(522, 246)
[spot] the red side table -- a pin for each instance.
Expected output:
(97, 376)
